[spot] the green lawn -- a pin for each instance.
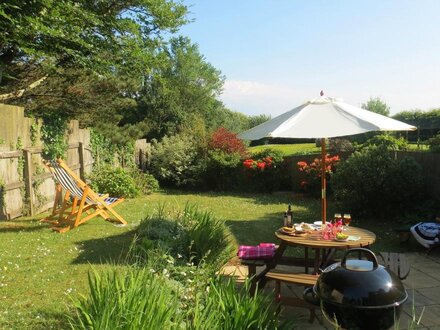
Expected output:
(289, 149)
(40, 269)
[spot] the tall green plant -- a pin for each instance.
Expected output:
(224, 306)
(130, 300)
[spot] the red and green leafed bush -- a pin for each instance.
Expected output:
(226, 141)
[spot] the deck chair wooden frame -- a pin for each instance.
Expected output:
(79, 203)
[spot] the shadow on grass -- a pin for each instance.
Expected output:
(15, 226)
(112, 250)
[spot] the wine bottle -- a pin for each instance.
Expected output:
(289, 216)
(285, 223)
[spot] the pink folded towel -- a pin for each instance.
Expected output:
(261, 251)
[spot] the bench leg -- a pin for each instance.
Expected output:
(252, 271)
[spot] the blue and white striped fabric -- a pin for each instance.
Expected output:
(426, 233)
(68, 183)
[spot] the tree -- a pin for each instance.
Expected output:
(181, 88)
(104, 36)
(377, 105)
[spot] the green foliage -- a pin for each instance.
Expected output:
(114, 181)
(222, 170)
(145, 182)
(130, 299)
(34, 133)
(226, 307)
(193, 235)
(265, 172)
(387, 142)
(377, 105)
(177, 160)
(372, 182)
(208, 236)
(103, 150)
(427, 123)
(35, 33)
(182, 86)
(434, 143)
(53, 134)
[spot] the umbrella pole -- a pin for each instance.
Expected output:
(323, 182)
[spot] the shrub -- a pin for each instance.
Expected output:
(222, 169)
(223, 159)
(372, 182)
(386, 141)
(145, 182)
(226, 141)
(114, 181)
(176, 160)
(264, 171)
(434, 143)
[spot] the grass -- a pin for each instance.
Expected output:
(40, 269)
(289, 149)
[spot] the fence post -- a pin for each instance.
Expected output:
(81, 161)
(28, 180)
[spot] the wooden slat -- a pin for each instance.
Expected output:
(294, 278)
(11, 154)
(396, 262)
(14, 185)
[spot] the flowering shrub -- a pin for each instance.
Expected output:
(226, 141)
(313, 171)
(224, 153)
(263, 172)
(260, 165)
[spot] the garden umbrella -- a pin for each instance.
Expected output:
(324, 117)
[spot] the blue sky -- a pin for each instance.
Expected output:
(277, 54)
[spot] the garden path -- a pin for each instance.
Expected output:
(422, 285)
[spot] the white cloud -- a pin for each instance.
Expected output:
(253, 97)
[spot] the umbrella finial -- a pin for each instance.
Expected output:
(322, 93)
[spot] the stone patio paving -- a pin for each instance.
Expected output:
(422, 285)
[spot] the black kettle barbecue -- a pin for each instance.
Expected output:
(358, 294)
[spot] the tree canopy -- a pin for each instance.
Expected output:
(377, 105)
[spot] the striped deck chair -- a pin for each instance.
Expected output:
(80, 203)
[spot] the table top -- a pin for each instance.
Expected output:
(314, 239)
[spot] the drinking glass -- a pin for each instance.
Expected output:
(347, 219)
(337, 217)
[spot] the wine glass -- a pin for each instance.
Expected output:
(346, 219)
(337, 217)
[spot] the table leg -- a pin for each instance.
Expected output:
(306, 258)
(261, 278)
(317, 258)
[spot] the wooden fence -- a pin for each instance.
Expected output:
(27, 187)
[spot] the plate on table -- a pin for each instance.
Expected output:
(342, 239)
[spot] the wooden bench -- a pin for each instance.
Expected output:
(280, 276)
(396, 262)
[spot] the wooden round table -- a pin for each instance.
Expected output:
(314, 240)
(324, 249)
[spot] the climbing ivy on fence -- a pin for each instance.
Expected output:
(53, 134)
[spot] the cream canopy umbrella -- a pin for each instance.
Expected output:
(324, 117)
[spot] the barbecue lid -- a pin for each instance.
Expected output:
(360, 283)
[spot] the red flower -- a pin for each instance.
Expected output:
(261, 165)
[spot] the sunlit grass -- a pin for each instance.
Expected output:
(289, 149)
(40, 269)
